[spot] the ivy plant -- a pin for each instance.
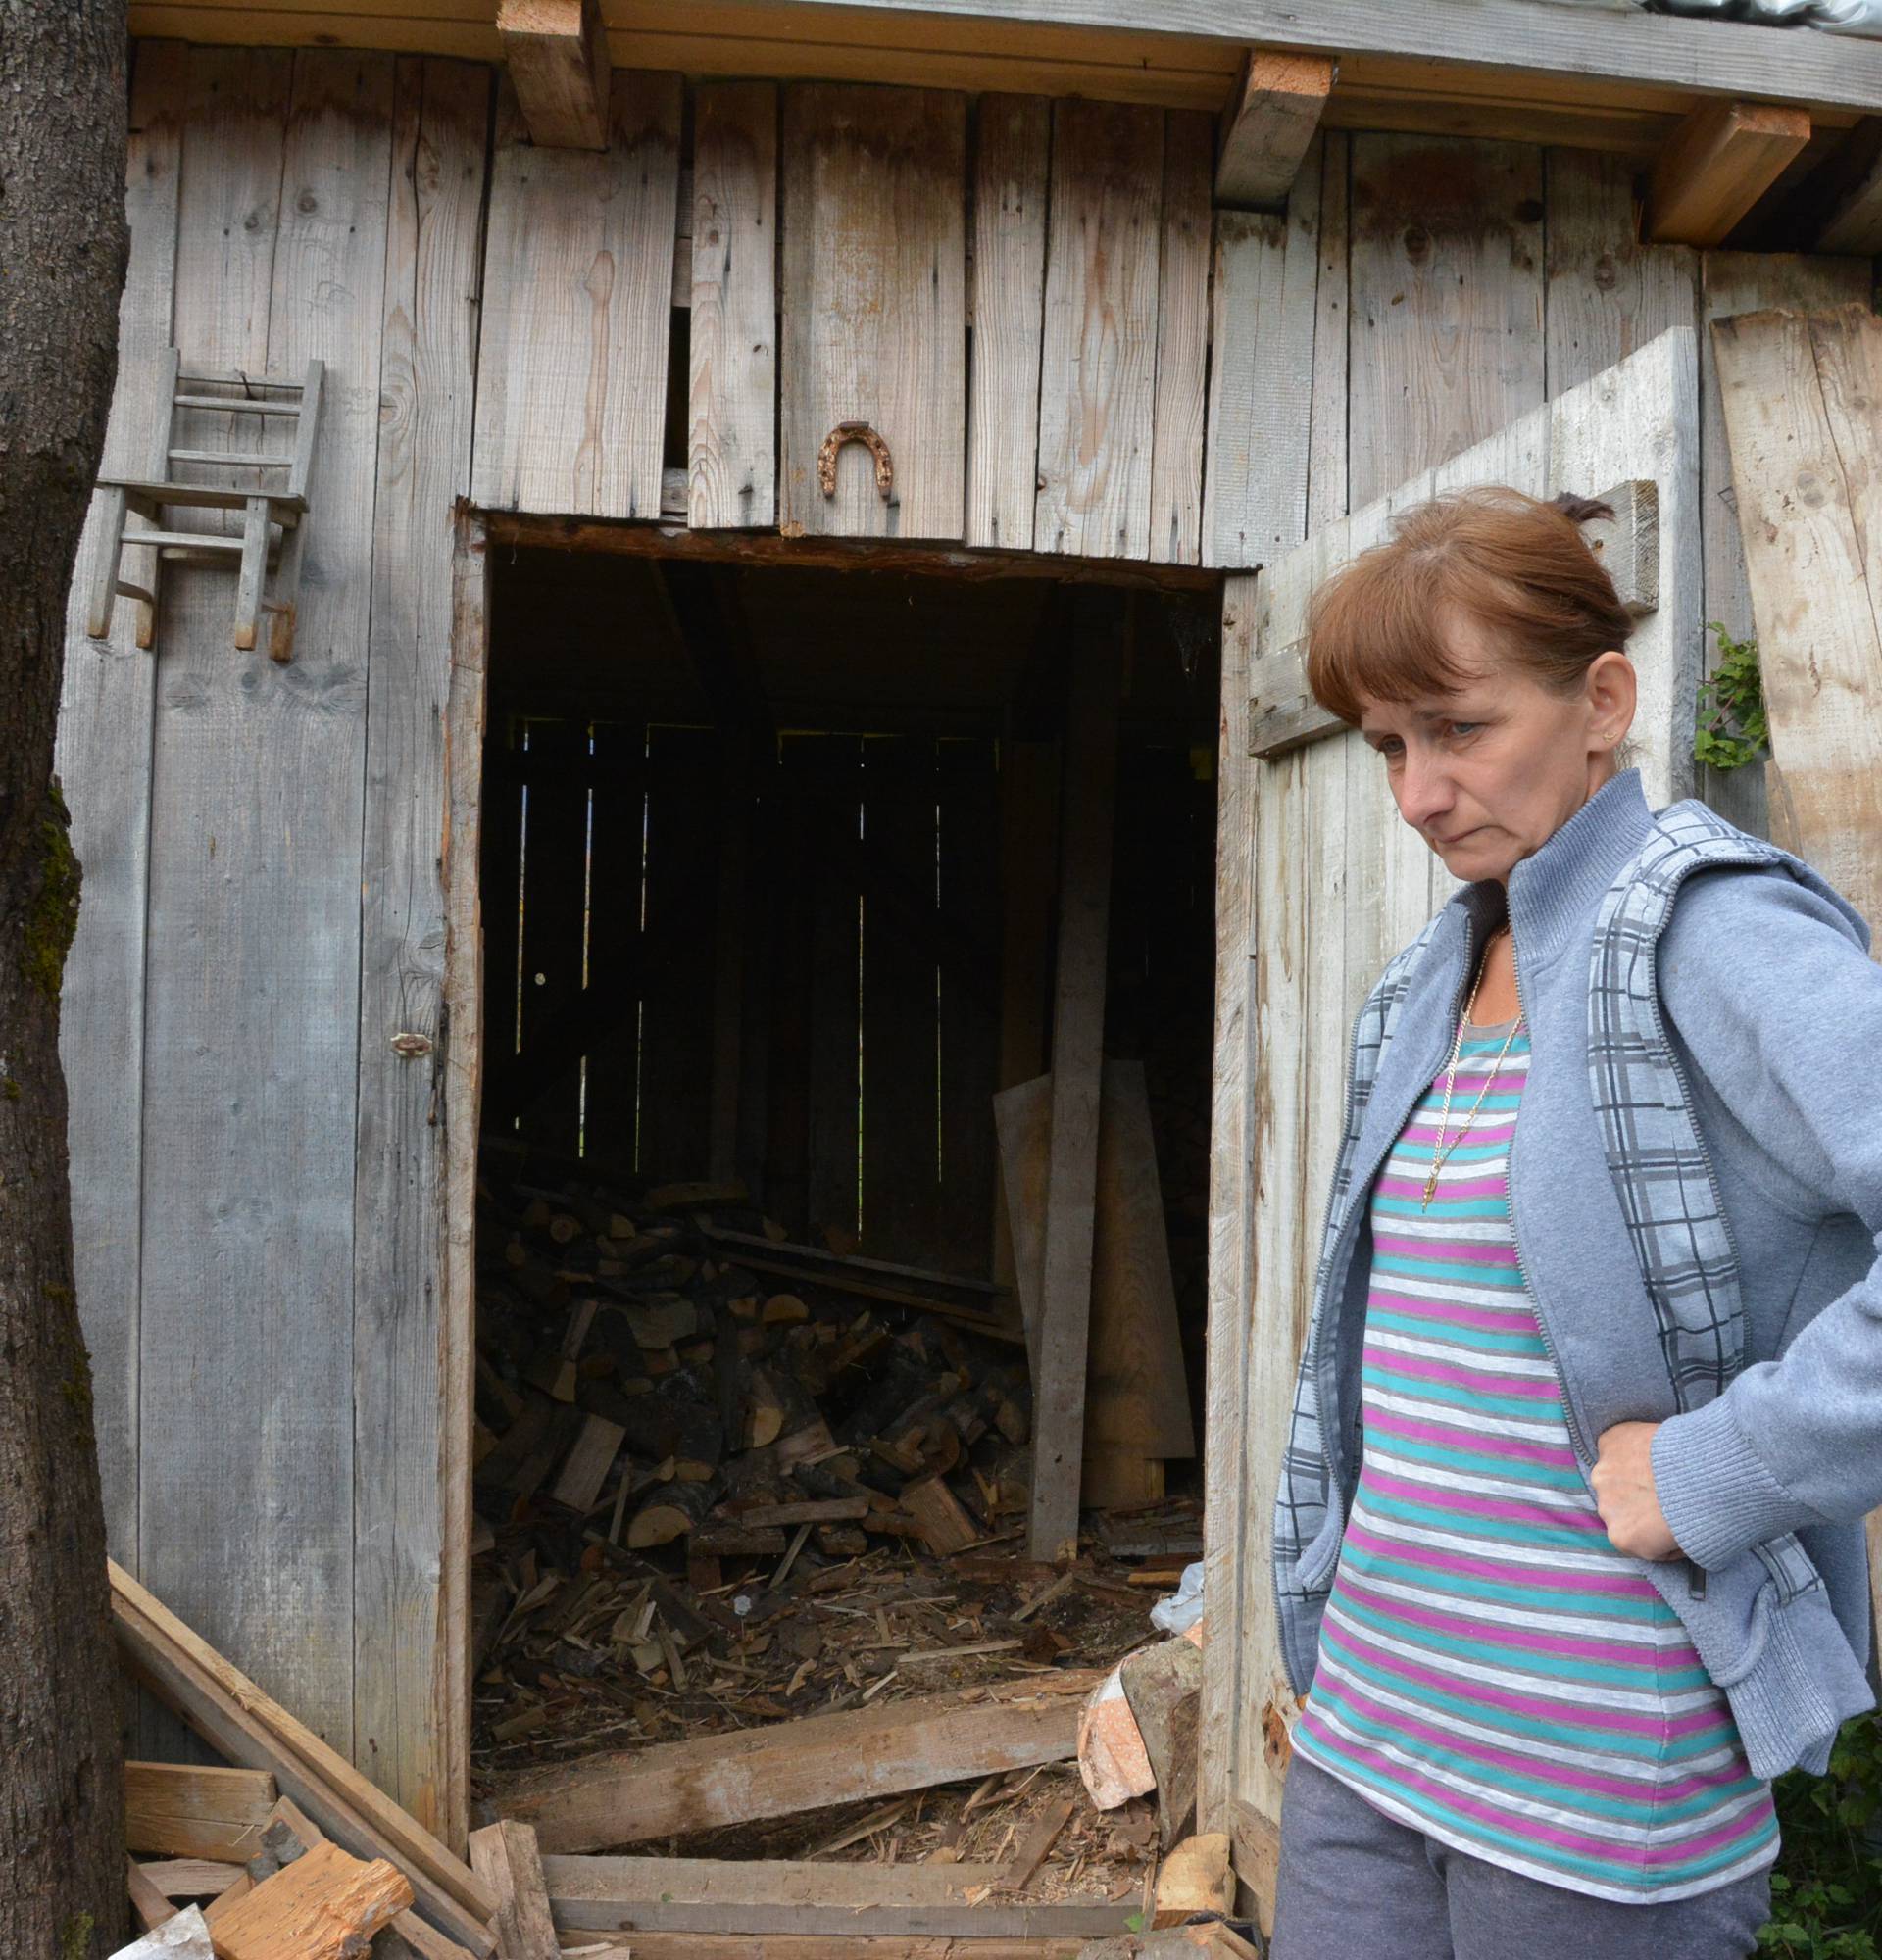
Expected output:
(1826, 1889)
(1731, 728)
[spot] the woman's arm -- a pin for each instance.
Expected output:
(1780, 1006)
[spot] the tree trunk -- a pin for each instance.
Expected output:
(62, 266)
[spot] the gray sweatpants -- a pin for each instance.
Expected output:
(1355, 1883)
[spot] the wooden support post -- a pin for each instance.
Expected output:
(248, 588)
(1716, 165)
(558, 56)
(1077, 1054)
(1271, 119)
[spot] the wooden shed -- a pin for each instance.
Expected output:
(792, 445)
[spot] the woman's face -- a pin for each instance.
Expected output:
(1488, 773)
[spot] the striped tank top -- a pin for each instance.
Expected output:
(1492, 1672)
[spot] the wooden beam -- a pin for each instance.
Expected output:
(1272, 118)
(1716, 165)
(558, 56)
(1077, 1062)
(1705, 57)
(184, 1810)
(787, 1767)
(782, 1896)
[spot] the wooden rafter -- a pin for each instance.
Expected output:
(1276, 107)
(558, 56)
(1717, 165)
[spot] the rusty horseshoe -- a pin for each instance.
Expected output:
(854, 432)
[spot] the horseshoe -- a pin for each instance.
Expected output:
(854, 432)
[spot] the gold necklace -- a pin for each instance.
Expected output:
(1440, 1156)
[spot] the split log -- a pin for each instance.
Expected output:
(673, 1512)
(586, 1468)
(777, 1771)
(945, 1526)
(1196, 1876)
(324, 1906)
(183, 1935)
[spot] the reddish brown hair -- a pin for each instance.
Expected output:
(1516, 565)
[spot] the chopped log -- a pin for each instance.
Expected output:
(815, 1511)
(672, 1512)
(193, 1878)
(783, 1309)
(182, 1935)
(147, 1901)
(587, 1465)
(1196, 1876)
(247, 1726)
(324, 1906)
(183, 1810)
(945, 1526)
(662, 1319)
(1163, 1684)
(772, 1896)
(787, 1767)
(505, 1857)
(736, 1541)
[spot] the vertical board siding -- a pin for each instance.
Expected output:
(1182, 339)
(400, 1398)
(252, 1063)
(571, 375)
(1732, 282)
(103, 761)
(874, 307)
(731, 464)
(1098, 383)
(1013, 143)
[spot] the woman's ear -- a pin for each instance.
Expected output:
(1613, 690)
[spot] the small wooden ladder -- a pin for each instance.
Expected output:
(273, 515)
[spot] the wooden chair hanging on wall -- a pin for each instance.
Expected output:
(268, 488)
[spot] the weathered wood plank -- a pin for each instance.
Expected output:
(1012, 135)
(1606, 293)
(177, 1811)
(578, 273)
(1272, 122)
(1734, 282)
(403, 1558)
(787, 1896)
(1097, 389)
(874, 307)
(103, 762)
(1261, 381)
(676, 1788)
(731, 470)
(557, 53)
(505, 1857)
(1183, 343)
(1078, 1056)
(204, 1267)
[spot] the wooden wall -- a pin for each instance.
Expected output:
(1437, 293)
(255, 1166)
(263, 1077)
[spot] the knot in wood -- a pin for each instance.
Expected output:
(411, 1047)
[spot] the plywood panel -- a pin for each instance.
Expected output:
(403, 1559)
(572, 377)
(874, 307)
(1097, 389)
(253, 1037)
(1012, 136)
(732, 467)
(1182, 341)
(103, 762)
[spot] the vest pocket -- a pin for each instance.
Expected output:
(1313, 1571)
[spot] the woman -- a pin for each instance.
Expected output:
(1569, 1542)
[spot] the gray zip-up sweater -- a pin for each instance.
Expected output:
(1773, 1011)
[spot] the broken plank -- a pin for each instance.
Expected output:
(147, 1900)
(247, 1726)
(777, 1771)
(1036, 1846)
(188, 1810)
(505, 1857)
(775, 1895)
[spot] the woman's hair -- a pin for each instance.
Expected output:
(1516, 565)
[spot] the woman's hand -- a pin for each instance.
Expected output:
(1624, 1495)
